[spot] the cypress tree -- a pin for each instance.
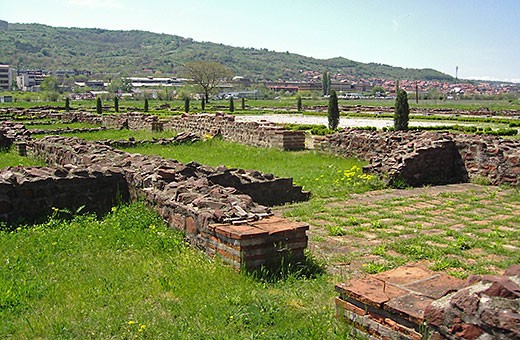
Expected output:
(243, 103)
(186, 104)
(299, 104)
(99, 106)
(146, 105)
(329, 83)
(402, 111)
(67, 104)
(231, 105)
(324, 82)
(116, 104)
(333, 111)
(202, 104)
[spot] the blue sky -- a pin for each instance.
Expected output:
(481, 37)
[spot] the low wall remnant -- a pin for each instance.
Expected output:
(424, 158)
(221, 219)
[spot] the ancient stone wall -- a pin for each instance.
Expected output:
(11, 132)
(489, 308)
(220, 219)
(28, 194)
(413, 302)
(256, 134)
(251, 133)
(420, 158)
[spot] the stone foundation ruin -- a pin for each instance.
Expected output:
(412, 302)
(219, 209)
(429, 158)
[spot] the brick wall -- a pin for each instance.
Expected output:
(421, 158)
(28, 194)
(222, 220)
(250, 133)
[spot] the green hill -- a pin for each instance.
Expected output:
(29, 46)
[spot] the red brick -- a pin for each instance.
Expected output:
(437, 286)
(402, 329)
(410, 306)
(350, 307)
(370, 291)
(191, 227)
(240, 232)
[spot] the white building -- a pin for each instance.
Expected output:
(6, 78)
(30, 81)
(152, 82)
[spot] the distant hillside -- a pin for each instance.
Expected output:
(129, 52)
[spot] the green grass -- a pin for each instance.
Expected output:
(10, 157)
(269, 104)
(56, 125)
(322, 174)
(119, 134)
(129, 276)
(462, 233)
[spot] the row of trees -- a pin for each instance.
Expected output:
(401, 112)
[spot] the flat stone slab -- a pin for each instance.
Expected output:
(396, 298)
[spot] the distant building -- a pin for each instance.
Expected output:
(152, 81)
(30, 80)
(6, 78)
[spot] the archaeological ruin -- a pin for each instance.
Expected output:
(225, 211)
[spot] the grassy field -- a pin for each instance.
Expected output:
(464, 230)
(276, 104)
(129, 276)
(117, 134)
(10, 157)
(324, 175)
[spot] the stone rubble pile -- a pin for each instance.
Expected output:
(489, 308)
(11, 132)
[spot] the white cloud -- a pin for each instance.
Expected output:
(96, 3)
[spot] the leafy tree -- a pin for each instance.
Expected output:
(325, 80)
(120, 85)
(231, 105)
(333, 111)
(146, 105)
(202, 104)
(299, 103)
(67, 104)
(186, 104)
(207, 75)
(378, 91)
(243, 103)
(116, 104)
(99, 106)
(402, 111)
(51, 88)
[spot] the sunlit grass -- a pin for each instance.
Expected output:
(129, 276)
(10, 157)
(323, 174)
